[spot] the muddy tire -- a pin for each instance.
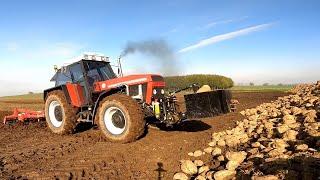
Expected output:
(60, 115)
(120, 118)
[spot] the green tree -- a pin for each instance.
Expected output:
(214, 81)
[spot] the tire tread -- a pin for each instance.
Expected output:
(70, 112)
(135, 112)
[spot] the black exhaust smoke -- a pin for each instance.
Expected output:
(159, 49)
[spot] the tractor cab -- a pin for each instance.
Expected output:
(76, 72)
(83, 73)
(92, 68)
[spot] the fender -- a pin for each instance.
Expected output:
(72, 92)
(104, 94)
(61, 87)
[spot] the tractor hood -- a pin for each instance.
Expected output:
(155, 79)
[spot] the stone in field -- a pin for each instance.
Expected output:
(301, 147)
(224, 175)
(203, 169)
(180, 176)
(216, 151)
(197, 153)
(198, 162)
(289, 119)
(188, 167)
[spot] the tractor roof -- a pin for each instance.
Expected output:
(91, 56)
(88, 56)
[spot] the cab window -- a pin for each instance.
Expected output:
(62, 78)
(76, 73)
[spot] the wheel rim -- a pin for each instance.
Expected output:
(55, 114)
(115, 120)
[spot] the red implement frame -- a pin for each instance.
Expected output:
(24, 115)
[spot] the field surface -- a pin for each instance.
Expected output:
(269, 88)
(32, 151)
(30, 101)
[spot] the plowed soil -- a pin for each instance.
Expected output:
(32, 151)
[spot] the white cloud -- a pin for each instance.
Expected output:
(55, 50)
(215, 23)
(16, 88)
(12, 46)
(172, 31)
(32, 67)
(223, 37)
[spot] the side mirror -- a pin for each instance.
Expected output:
(55, 67)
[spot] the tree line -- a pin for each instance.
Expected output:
(214, 81)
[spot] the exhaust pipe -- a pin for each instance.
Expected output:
(120, 67)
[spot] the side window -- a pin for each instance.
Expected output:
(76, 72)
(63, 78)
(93, 76)
(93, 73)
(107, 72)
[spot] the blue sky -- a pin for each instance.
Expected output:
(268, 41)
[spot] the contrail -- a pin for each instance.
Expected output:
(226, 36)
(214, 23)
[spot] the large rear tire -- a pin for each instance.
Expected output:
(60, 115)
(120, 118)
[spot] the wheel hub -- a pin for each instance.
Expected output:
(58, 113)
(118, 119)
(55, 114)
(114, 120)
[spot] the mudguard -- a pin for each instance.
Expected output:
(61, 87)
(74, 93)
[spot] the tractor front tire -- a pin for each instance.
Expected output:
(60, 115)
(120, 118)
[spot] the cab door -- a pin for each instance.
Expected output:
(79, 84)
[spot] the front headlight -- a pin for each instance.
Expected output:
(162, 91)
(154, 91)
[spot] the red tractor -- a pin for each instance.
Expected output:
(89, 91)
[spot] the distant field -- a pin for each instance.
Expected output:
(30, 101)
(37, 96)
(263, 88)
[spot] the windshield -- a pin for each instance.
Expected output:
(61, 78)
(98, 71)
